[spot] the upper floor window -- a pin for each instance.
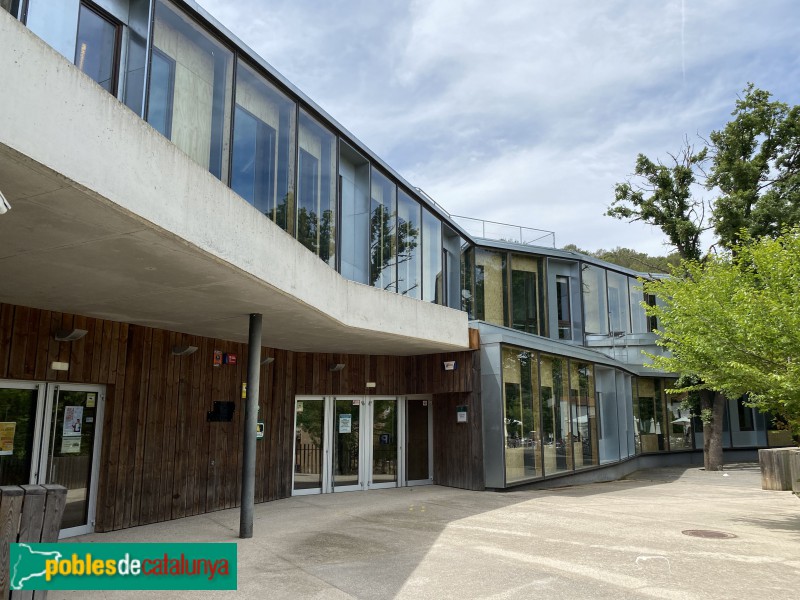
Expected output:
(97, 47)
(563, 308)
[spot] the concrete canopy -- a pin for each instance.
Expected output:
(111, 220)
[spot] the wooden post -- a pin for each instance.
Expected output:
(775, 468)
(10, 507)
(30, 525)
(53, 512)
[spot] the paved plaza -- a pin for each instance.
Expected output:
(625, 539)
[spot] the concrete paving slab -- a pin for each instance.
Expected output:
(623, 539)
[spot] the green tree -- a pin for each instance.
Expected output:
(662, 196)
(734, 322)
(756, 168)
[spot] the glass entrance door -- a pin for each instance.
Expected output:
(50, 434)
(384, 445)
(347, 444)
(70, 453)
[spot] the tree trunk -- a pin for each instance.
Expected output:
(712, 432)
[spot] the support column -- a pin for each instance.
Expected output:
(250, 424)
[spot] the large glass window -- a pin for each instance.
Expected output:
(316, 189)
(11, 6)
(650, 425)
(136, 59)
(594, 300)
(583, 414)
(556, 435)
(468, 280)
(96, 50)
(679, 422)
(199, 103)
(409, 266)
(522, 434)
(433, 284)
(525, 293)
(490, 279)
(383, 238)
(638, 317)
(262, 161)
(618, 299)
(355, 228)
(563, 308)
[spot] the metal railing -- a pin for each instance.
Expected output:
(505, 232)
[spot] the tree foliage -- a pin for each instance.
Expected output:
(756, 168)
(733, 321)
(662, 195)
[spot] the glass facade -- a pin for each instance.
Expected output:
(595, 311)
(523, 444)
(432, 282)
(618, 303)
(583, 414)
(97, 46)
(263, 151)
(354, 240)
(409, 236)
(316, 189)
(525, 277)
(556, 434)
(383, 232)
(193, 84)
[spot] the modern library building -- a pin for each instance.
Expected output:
(165, 183)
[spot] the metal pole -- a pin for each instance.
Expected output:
(250, 424)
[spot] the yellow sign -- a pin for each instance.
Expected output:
(7, 431)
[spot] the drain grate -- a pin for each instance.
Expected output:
(708, 534)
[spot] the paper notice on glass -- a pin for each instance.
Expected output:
(345, 423)
(73, 421)
(70, 445)
(7, 431)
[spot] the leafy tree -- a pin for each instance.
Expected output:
(662, 196)
(734, 323)
(756, 167)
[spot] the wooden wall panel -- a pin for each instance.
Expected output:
(161, 459)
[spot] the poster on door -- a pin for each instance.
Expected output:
(7, 431)
(73, 421)
(345, 423)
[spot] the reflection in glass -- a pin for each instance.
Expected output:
(316, 190)
(636, 296)
(162, 88)
(523, 448)
(618, 299)
(96, 48)
(594, 300)
(650, 425)
(555, 415)
(17, 425)
(524, 293)
(136, 59)
(433, 283)
(202, 90)
(262, 159)
(583, 415)
(346, 421)
(308, 439)
(355, 227)
(679, 421)
(71, 450)
(468, 280)
(409, 267)
(490, 278)
(384, 441)
(383, 233)
(563, 308)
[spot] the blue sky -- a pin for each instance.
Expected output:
(527, 111)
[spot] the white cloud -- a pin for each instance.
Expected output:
(526, 111)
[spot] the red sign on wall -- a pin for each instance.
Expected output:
(217, 358)
(229, 359)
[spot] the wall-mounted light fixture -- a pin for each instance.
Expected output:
(183, 350)
(4, 205)
(449, 365)
(337, 367)
(268, 360)
(69, 335)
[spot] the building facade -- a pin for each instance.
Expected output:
(165, 183)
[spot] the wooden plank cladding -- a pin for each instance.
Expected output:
(161, 459)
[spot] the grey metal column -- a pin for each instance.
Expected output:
(250, 424)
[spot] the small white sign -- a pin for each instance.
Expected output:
(461, 417)
(91, 400)
(70, 445)
(299, 407)
(345, 423)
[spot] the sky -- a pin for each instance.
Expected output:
(527, 111)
